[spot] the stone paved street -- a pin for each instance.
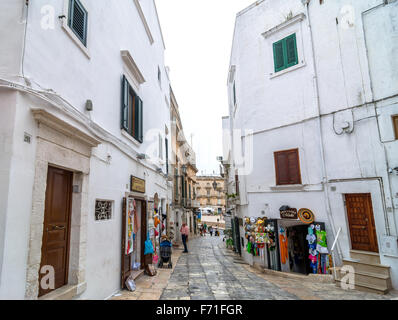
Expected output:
(210, 271)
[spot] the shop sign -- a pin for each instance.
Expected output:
(306, 216)
(137, 184)
(289, 213)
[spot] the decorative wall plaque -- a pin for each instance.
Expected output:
(137, 184)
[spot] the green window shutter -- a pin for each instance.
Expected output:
(279, 60)
(140, 120)
(77, 21)
(291, 50)
(234, 94)
(125, 104)
(136, 133)
(285, 53)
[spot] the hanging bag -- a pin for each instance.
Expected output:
(148, 246)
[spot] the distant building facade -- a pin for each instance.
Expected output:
(183, 170)
(211, 193)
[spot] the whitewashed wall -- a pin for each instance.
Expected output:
(282, 109)
(54, 61)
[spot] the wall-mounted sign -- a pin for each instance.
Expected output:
(137, 184)
(306, 216)
(290, 213)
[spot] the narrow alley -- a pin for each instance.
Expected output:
(211, 272)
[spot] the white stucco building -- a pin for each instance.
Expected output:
(313, 96)
(84, 106)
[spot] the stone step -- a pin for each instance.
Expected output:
(381, 282)
(367, 267)
(365, 256)
(368, 288)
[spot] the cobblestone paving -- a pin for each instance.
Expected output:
(210, 272)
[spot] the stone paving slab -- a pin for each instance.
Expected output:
(151, 288)
(211, 272)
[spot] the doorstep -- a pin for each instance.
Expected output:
(67, 292)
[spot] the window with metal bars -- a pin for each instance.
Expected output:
(285, 53)
(78, 20)
(103, 210)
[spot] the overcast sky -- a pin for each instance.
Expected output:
(198, 37)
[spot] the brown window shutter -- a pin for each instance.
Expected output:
(287, 167)
(281, 168)
(294, 168)
(395, 120)
(237, 183)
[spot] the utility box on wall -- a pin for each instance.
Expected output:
(389, 245)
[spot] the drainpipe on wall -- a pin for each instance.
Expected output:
(386, 219)
(306, 3)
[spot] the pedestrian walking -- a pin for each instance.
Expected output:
(184, 233)
(211, 231)
(205, 228)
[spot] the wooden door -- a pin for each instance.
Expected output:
(57, 214)
(143, 233)
(361, 222)
(127, 259)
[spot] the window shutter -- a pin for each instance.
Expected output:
(125, 104)
(291, 50)
(287, 167)
(176, 180)
(281, 167)
(279, 60)
(234, 94)
(237, 184)
(395, 120)
(166, 142)
(138, 119)
(78, 20)
(141, 121)
(293, 165)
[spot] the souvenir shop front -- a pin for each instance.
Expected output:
(294, 243)
(143, 221)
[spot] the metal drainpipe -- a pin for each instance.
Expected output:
(386, 218)
(324, 172)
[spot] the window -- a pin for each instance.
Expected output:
(287, 167)
(395, 124)
(160, 147)
(237, 184)
(234, 92)
(176, 183)
(166, 142)
(131, 111)
(103, 210)
(285, 53)
(160, 77)
(78, 20)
